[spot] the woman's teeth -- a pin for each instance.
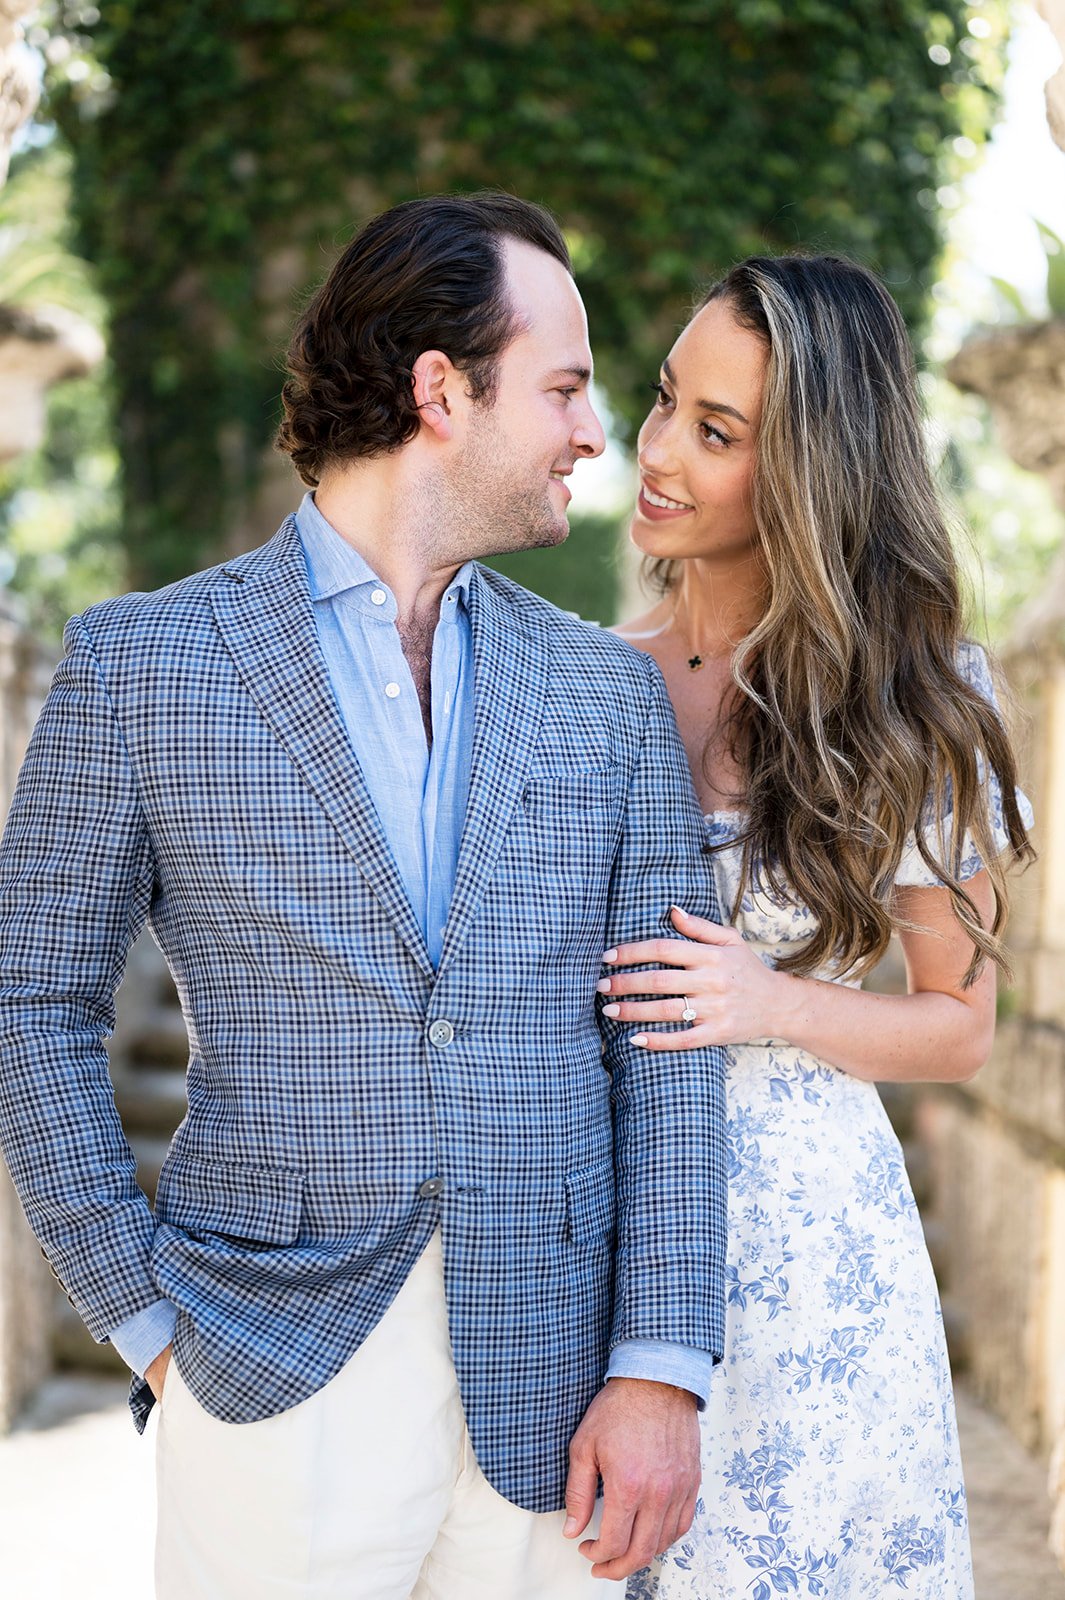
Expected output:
(664, 504)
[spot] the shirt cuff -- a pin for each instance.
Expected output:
(661, 1361)
(145, 1335)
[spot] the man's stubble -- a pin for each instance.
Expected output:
(495, 501)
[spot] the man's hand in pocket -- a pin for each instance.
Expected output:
(155, 1373)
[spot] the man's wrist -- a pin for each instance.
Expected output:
(142, 1338)
(672, 1389)
(666, 1362)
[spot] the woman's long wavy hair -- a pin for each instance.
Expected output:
(853, 723)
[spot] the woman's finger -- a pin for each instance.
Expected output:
(697, 1037)
(673, 952)
(703, 930)
(666, 1010)
(643, 983)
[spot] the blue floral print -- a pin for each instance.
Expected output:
(830, 1451)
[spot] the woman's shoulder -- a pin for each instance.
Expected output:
(974, 666)
(644, 631)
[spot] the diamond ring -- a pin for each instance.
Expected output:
(688, 1014)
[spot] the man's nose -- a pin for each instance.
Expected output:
(588, 437)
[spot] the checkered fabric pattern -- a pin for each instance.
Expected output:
(190, 766)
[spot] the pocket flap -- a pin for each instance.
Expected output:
(572, 791)
(590, 1202)
(262, 1204)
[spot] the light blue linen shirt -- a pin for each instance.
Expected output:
(420, 792)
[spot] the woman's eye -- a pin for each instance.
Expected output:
(714, 435)
(663, 397)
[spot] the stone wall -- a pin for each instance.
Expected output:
(997, 1145)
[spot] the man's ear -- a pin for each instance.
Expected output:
(435, 377)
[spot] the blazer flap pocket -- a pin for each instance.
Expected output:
(590, 1202)
(260, 1204)
(572, 791)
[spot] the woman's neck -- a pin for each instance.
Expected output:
(715, 603)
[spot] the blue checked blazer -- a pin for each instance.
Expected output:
(191, 767)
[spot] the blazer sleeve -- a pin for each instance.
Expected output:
(669, 1108)
(76, 874)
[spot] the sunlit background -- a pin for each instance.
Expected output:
(194, 168)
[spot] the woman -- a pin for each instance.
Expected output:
(856, 779)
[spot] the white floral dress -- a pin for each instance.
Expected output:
(830, 1450)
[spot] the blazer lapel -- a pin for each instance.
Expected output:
(510, 673)
(263, 608)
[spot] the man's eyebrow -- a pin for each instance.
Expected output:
(718, 406)
(579, 374)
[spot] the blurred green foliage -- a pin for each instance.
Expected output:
(1011, 304)
(37, 264)
(582, 575)
(59, 511)
(224, 154)
(1007, 528)
(59, 505)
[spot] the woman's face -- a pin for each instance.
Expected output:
(697, 446)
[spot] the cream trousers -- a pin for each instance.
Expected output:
(368, 1490)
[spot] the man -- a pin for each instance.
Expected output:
(384, 811)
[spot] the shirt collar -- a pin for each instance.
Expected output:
(335, 566)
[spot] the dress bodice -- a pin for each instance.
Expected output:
(773, 925)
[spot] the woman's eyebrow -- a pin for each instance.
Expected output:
(708, 405)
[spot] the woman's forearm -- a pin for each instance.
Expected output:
(880, 1037)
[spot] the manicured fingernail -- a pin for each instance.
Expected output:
(610, 955)
(639, 1038)
(603, 986)
(679, 911)
(611, 1011)
(571, 1527)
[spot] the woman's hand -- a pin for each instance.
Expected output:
(734, 995)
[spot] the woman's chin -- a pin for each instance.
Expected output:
(653, 539)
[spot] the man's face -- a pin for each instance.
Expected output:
(508, 480)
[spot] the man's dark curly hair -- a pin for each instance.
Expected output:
(426, 275)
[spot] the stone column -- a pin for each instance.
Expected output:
(18, 93)
(36, 349)
(26, 1290)
(998, 1143)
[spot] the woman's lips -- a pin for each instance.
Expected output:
(659, 513)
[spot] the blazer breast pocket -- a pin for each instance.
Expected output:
(572, 792)
(249, 1206)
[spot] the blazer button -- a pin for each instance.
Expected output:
(430, 1188)
(441, 1034)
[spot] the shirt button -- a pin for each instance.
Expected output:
(430, 1188)
(378, 596)
(441, 1034)
(392, 690)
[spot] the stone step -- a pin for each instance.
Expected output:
(937, 1242)
(919, 1167)
(899, 1102)
(159, 1040)
(957, 1331)
(151, 1153)
(151, 1100)
(74, 1348)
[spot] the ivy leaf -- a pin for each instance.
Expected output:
(1054, 246)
